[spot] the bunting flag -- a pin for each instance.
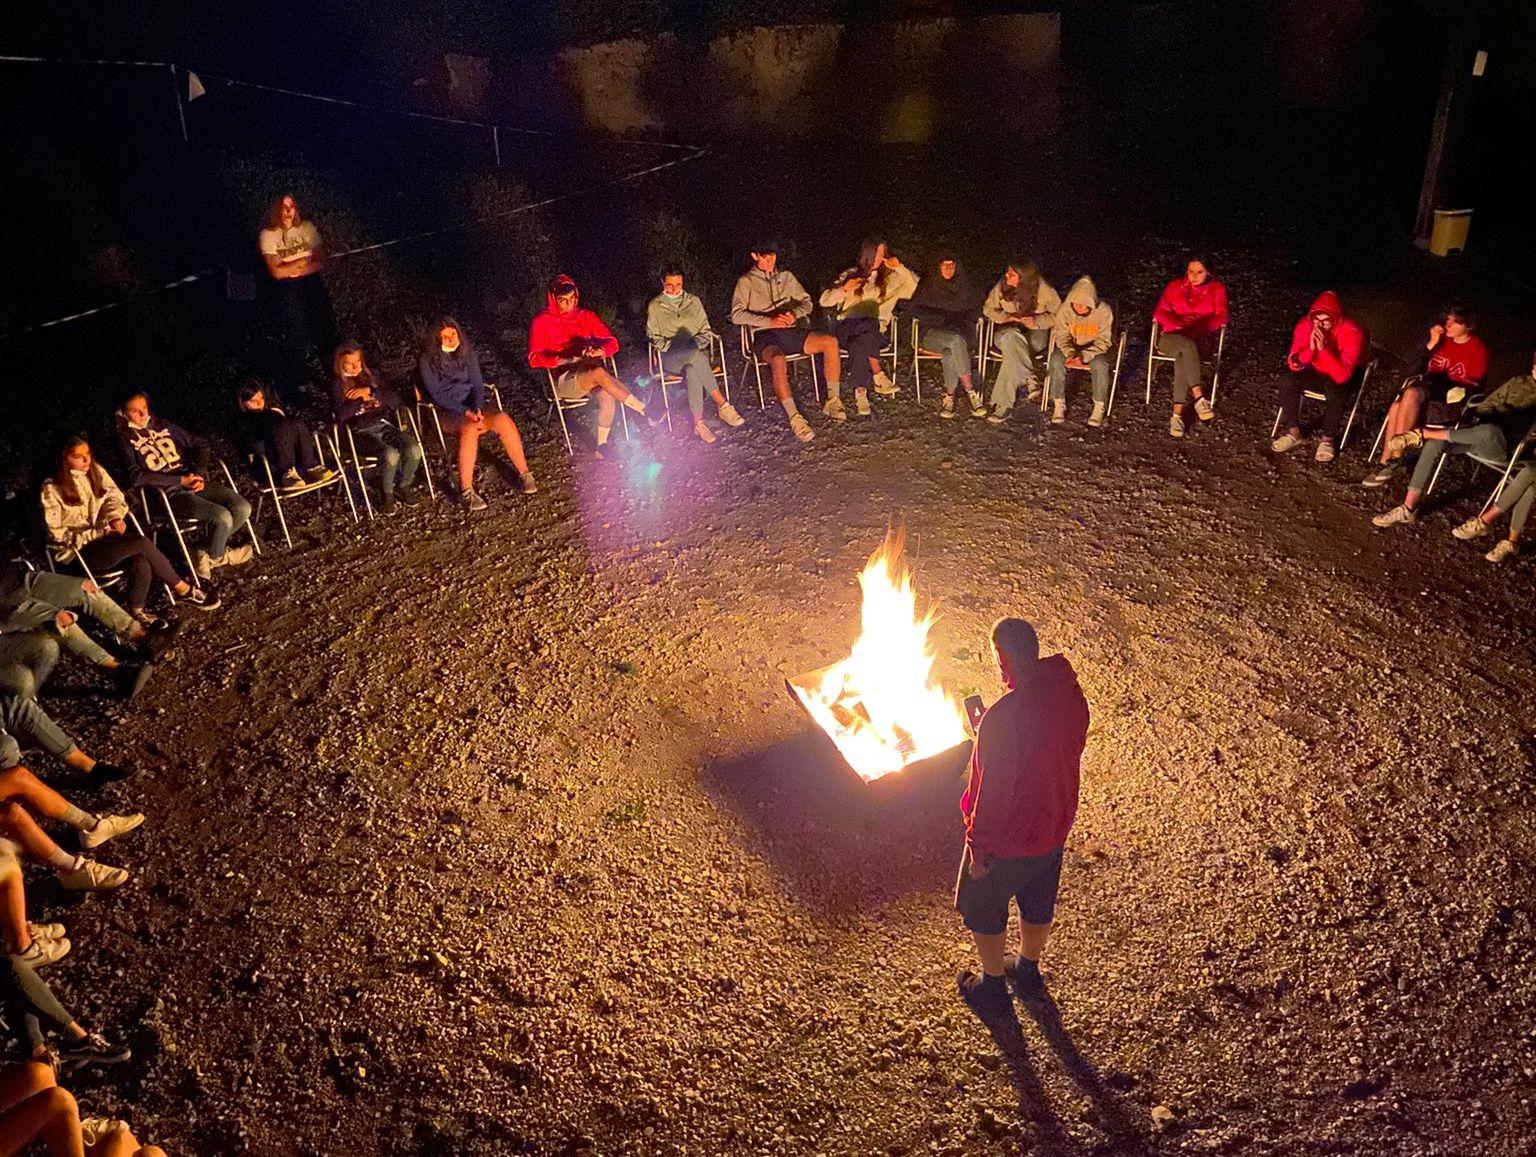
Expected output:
(195, 87)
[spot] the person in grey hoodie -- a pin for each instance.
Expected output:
(1082, 334)
(1022, 308)
(678, 327)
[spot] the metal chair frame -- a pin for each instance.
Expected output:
(180, 529)
(559, 405)
(1153, 357)
(1365, 380)
(1381, 430)
(278, 495)
(107, 579)
(1114, 377)
(987, 352)
(663, 379)
(405, 422)
(1509, 468)
(1477, 460)
(749, 357)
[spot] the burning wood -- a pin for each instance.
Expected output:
(880, 705)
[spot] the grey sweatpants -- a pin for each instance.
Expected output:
(1020, 348)
(1485, 440)
(687, 359)
(954, 355)
(1185, 352)
(1518, 496)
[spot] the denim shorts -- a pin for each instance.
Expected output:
(1030, 880)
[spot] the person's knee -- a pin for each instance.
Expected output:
(390, 457)
(10, 756)
(60, 1102)
(34, 1077)
(45, 651)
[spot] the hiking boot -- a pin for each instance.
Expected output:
(407, 494)
(131, 678)
(203, 598)
(884, 386)
(833, 408)
(41, 953)
(986, 995)
(1324, 451)
(1285, 443)
(1472, 528)
(1025, 979)
(202, 563)
(1204, 410)
(319, 474)
(1402, 443)
(801, 427)
(109, 827)
(978, 406)
(1176, 426)
(861, 403)
(731, 416)
(92, 877)
(1502, 550)
(1380, 478)
(1098, 417)
(473, 502)
(1059, 411)
(706, 435)
(292, 480)
(91, 1049)
(526, 483)
(998, 416)
(1398, 514)
(947, 406)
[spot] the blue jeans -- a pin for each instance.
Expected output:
(218, 508)
(1098, 369)
(24, 718)
(954, 354)
(1020, 348)
(378, 439)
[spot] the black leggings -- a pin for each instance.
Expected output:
(291, 446)
(137, 555)
(862, 339)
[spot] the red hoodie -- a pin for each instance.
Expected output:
(1466, 363)
(1022, 795)
(1193, 310)
(1342, 351)
(555, 338)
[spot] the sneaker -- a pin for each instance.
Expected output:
(1176, 426)
(95, 1130)
(1285, 443)
(92, 877)
(1204, 410)
(202, 563)
(292, 480)
(986, 995)
(407, 494)
(92, 1049)
(731, 416)
(947, 406)
(1025, 979)
(1472, 528)
(833, 408)
(158, 637)
(526, 483)
(1059, 412)
(998, 417)
(861, 403)
(1398, 514)
(104, 773)
(1098, 417)
(1379, 479)
(236, 556)
(474, 502)
(46, 931)
(389, 504)
(1324, 451)
(1402, 443)
(109, 827)
(319, 474)
(147, 619)
(706, 435)
(1032, 394)
(1502, 550)
(801, 427)
(978, 407)
(202, 598)
(883, 385)
(41, 953)
(131, 678)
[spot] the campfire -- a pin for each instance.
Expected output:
(881, 705)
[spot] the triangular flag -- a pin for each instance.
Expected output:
(195, 87)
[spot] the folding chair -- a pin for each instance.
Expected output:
(987, 351)
(1153, 357)
(1114, 376)
(279, 495)
(919, 356)
(749, 358)
(181, 527)
(1509, 468)
(1381, 431)
(405, 422)
(663, 379)
(107, 579)
(559, 405)
(422, 402)
(1481, 460)
(1365, 378)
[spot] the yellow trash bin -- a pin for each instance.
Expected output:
(1450, 232)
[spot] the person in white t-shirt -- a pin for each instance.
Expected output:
(294, 254)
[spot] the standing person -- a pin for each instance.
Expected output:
(1019, 806)
(1326, 348)
(450, 374)
(1083, 332)
(263, 428)
(84, 512)
(863, 301)
(1189, 315)
(774, 308)
(1022, 307)
(676, 324)
(1454, 358)
(294, 254)
(361, 402)
(572, 343)
(164, 456)
(945, 307)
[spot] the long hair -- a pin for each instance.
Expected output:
(866, 267)
(1027, 293)
(64, 478)
(447, 363)
(347, 348)
(275, 212)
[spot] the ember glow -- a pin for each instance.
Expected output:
(881, 705)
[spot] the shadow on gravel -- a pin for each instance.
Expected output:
(1118, 1124)
(840, 843)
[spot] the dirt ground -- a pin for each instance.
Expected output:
(500, 835)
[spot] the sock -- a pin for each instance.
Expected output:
(602, 435)
(635, 404)
(75, 818)
(790, 409)
(61, 861)
(989, 978)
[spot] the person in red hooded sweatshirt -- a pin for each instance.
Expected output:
(572, 343)
(1189, 315)
(1018, 807)
(1326, 348)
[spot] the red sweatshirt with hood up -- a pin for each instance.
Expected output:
(1342, 351)
(1196, 311)
(555, 338)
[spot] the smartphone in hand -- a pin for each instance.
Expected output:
(974, 710)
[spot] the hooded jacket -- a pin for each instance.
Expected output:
(555, 338)
(452, 381)
(875, 297)
(758, 296)
(1512, 407)
(158, 453)
(941, 303)
(71, 526)
(999, 310)
(1021, 797)
(1085, 337)
(665, 319)
(1196, 311)
(1340, 353)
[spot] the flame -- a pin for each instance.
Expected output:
(881, 705)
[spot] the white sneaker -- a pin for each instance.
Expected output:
(1204, 410)
(1059, 412)
(833, 408)
(1176, 426)
(1097, 417)
(1285, 443)
(1397, 515)
(883, 385)
(731, 416)
(947, 406)
(293, 480)
(801, 428)
(202, 564)
(998, 417)
(1503, 549)
(1472, 528)
(237, 556)
(706, 435)
(861, 403)
(1324, 451)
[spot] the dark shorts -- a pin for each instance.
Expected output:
(1031, 881)
(790, 340)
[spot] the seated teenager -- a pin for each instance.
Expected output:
(84, 512)
(1022, 308)
(775, 309)
(1326, 350)
(862, 300)
(1083, 332)
(26, 722)
(1189, 315)
(1499, 421)
(264, 429)
(19, 790)
(676, 324)
(361, 403)
(572, 344)
(165, 457)
(1454, 358)
(34, 1109)
(450, 374)
(944, 306)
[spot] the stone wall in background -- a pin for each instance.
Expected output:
(903, 81)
